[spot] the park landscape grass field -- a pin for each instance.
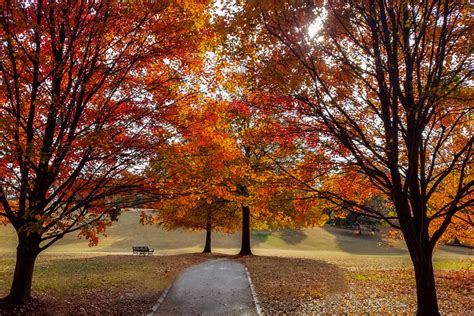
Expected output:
(320, 270)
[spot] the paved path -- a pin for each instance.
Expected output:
(216, 287)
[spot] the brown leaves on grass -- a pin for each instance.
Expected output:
(456, 290)
(304, 286)
(114, 285)
(131, 285)
(284, 284)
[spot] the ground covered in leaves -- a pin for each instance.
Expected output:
(131, 285)
(353, 286)
(114, 285)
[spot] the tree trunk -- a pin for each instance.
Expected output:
(417, 239)
(26, 254)
(207, 247)
(425, 286)
(245, 246)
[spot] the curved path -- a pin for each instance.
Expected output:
(216, 287)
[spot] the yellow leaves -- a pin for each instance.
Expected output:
(393, 236)
(196, 8)
(321, 220)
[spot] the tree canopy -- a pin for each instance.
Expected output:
(269, 112)
(86, 91)
(386, 87)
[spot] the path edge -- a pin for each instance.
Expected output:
(254, 294)
(160, 301)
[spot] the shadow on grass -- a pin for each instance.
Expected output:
(288, 236)
(460, 250)
(260, 236)
(365, 244)
(292, 236)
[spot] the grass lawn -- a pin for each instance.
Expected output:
(320, 270)
(119, 284)
(344, 286)
(88, 285)
(327, 242)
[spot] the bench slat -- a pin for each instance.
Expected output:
(142, 250)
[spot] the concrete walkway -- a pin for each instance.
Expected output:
(216, 287)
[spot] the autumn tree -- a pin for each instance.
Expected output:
(85, 91)
(217, 172)
(386, 87)
(205, 215)
(199, 165)
(266, 146)
(264, 189)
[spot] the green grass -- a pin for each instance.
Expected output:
(89, 284)
(368, 277)
(328, 243)
(461, 264)
(77, 272)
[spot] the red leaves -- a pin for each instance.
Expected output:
(241, 108)
(88, 89)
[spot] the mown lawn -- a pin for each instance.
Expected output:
(320, 270)
(357, 285)
(72, 284)
(120, 284)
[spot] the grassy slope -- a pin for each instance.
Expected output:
(132, 284)
(77, 284)
(322, 243)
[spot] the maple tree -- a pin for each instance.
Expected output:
(273, 199)
(207, 215)
(215, 166)
(205, 175)
(196, 191)
(261, 183)
(86, 91)
(386, 89)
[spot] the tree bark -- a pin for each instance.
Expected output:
(425, 286)
(26, 254)
(245, 246)
(207, 247)
(421, 254)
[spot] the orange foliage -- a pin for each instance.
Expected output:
(87, 89)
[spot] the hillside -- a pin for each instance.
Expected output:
(314, 242)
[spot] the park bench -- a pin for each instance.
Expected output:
(142, 250)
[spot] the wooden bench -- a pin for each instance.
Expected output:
(142, 250)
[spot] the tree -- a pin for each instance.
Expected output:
(86, 88)
(205, 215)
(217, 165)
(199, 167)
(386, 87)
(271, 197)
(264, 145)
(207, 174)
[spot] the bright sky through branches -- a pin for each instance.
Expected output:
(315, 27)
